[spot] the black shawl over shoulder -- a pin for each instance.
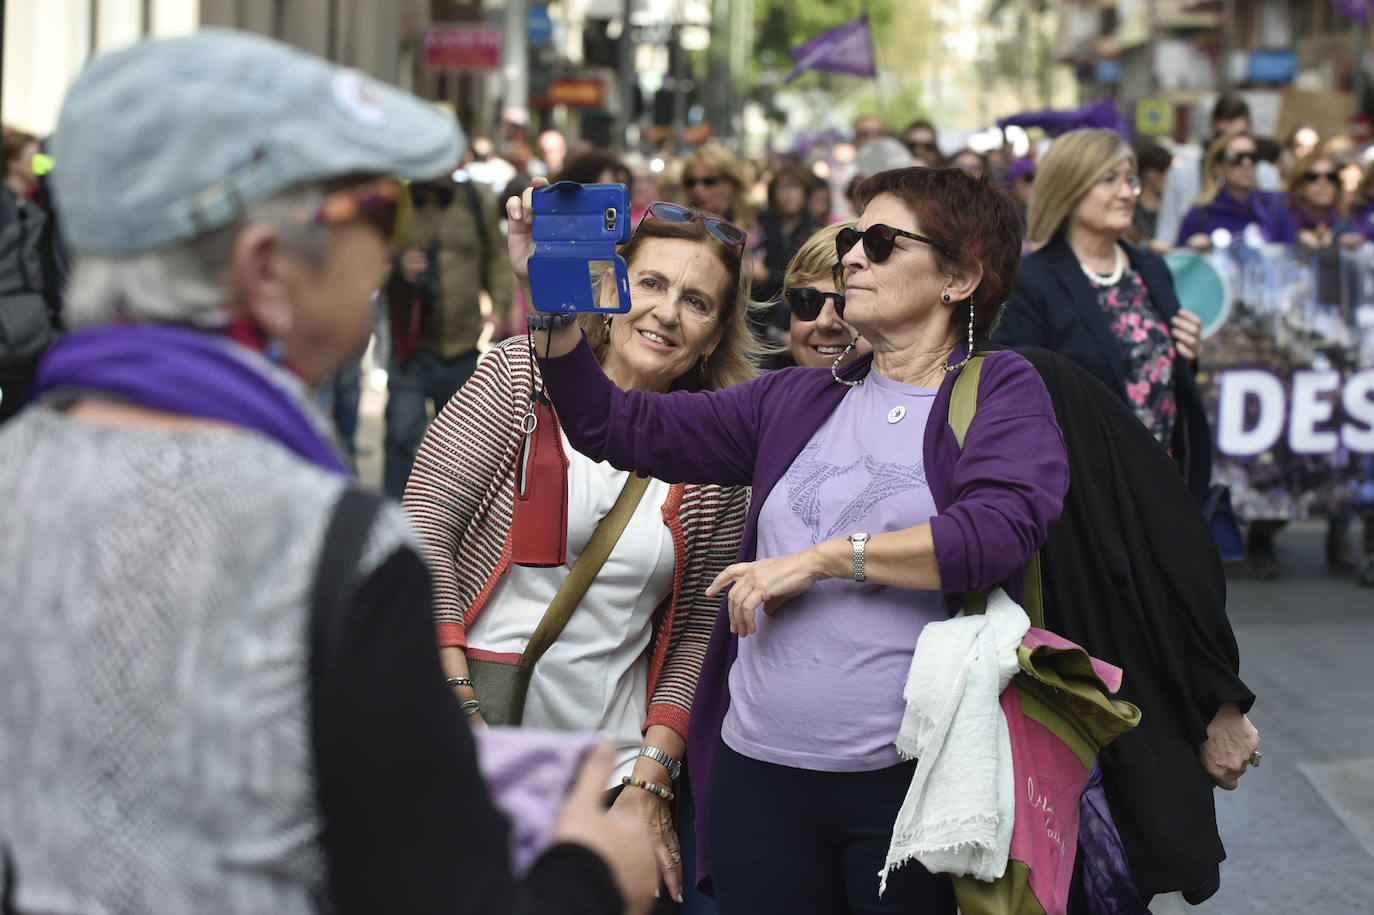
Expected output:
(1132, 574)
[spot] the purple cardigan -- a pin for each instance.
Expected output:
(996, 498)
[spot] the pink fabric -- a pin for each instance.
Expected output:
(1049, 780)
(1110, 674)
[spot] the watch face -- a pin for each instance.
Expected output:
(858, 538)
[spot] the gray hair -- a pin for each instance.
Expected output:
(189, 282)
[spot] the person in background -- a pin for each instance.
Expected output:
(1314, 198)
(553, 150)
(626, 665)
(971, 161)
(1301, 140)
(818, 336)
(217, 662)
(867, 521)
(1108, 305)
(1153, 162)
(819, 198)
(716, 181)
(596, 166)
(20, 148)
(868, 127)
(1109, 308)
(1187, 180)
(454, 251)
(643, 187)
(1021, 182)
(1232, 201)
(782, 227)
(920, 139)
(1361, 210)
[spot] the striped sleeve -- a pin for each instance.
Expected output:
(456, 497)
(713, 524)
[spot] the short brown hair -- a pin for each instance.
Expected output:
(734, 358)
(973, 220)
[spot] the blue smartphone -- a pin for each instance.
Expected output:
(577, 228)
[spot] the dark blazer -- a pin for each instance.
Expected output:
(1055, 307)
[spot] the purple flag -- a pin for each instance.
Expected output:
(846, 48)
(1095, 114)
(1354, 10)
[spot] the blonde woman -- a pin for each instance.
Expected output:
(818, 335)
(716, 181)
(1231, 199)
(1315, 199)
(1105, 304)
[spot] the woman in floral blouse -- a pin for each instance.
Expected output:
(1105, 304)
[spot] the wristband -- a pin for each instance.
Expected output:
(471, 707)
(632, 782)
(538, 320)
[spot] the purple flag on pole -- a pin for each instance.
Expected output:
(1095, 114)
(1354, 10)
(846, 48)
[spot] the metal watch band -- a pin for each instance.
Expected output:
(674, 766)
(858, 541)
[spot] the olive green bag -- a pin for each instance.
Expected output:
(501, 686)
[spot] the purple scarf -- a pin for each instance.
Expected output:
(189, 372)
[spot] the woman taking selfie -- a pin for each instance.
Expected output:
(867, 522)
(626, 664)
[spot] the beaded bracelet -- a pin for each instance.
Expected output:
(471, 707)
(458, 681)
(631, 781)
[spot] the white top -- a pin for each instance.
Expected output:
(595, 677)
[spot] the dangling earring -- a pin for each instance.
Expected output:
(705, 357)
(835, 369)
(606, 324)
(968, 355)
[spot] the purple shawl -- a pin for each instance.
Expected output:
(192, 373)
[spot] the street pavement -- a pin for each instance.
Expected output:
(1299, 831)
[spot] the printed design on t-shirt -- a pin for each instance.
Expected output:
(810, 474)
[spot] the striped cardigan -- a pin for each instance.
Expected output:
(461, 499)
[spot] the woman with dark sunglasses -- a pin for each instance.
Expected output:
(1231, 200)
(716, 181)
(818, 336)
(1315, 200)
(626, 663)
(867, 521)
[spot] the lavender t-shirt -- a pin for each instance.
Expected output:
(819, 686)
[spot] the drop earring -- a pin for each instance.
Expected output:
(968, 355)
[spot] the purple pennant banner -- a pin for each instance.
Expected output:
(846, 48)
(1354, 10)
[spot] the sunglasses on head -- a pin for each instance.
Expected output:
(879, 241)
(708, 181)
(726, 231)
(807, 302)
(1313, 177)
(382, 203)
(1236, 158)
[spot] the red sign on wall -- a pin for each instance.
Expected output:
(463, 47)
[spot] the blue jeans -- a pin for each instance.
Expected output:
(426, 377)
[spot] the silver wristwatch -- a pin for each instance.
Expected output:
(674, 766)
(858, 541)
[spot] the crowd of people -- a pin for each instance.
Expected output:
(712, 529)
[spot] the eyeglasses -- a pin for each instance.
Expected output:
(1236, 158)
(1113, 179)
(708, 181)
(807, 302)
(726, 231)
(1313, 177)
(1029, 178)
(879, 241)
(918, 146)
(382, 203)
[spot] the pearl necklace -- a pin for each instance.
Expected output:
(1110, 279)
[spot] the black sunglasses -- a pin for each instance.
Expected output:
(807, 302)
(1236, 158)
(1313, 177)
(878, 241)
(709, 181)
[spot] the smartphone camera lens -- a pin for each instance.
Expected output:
(610, 219)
